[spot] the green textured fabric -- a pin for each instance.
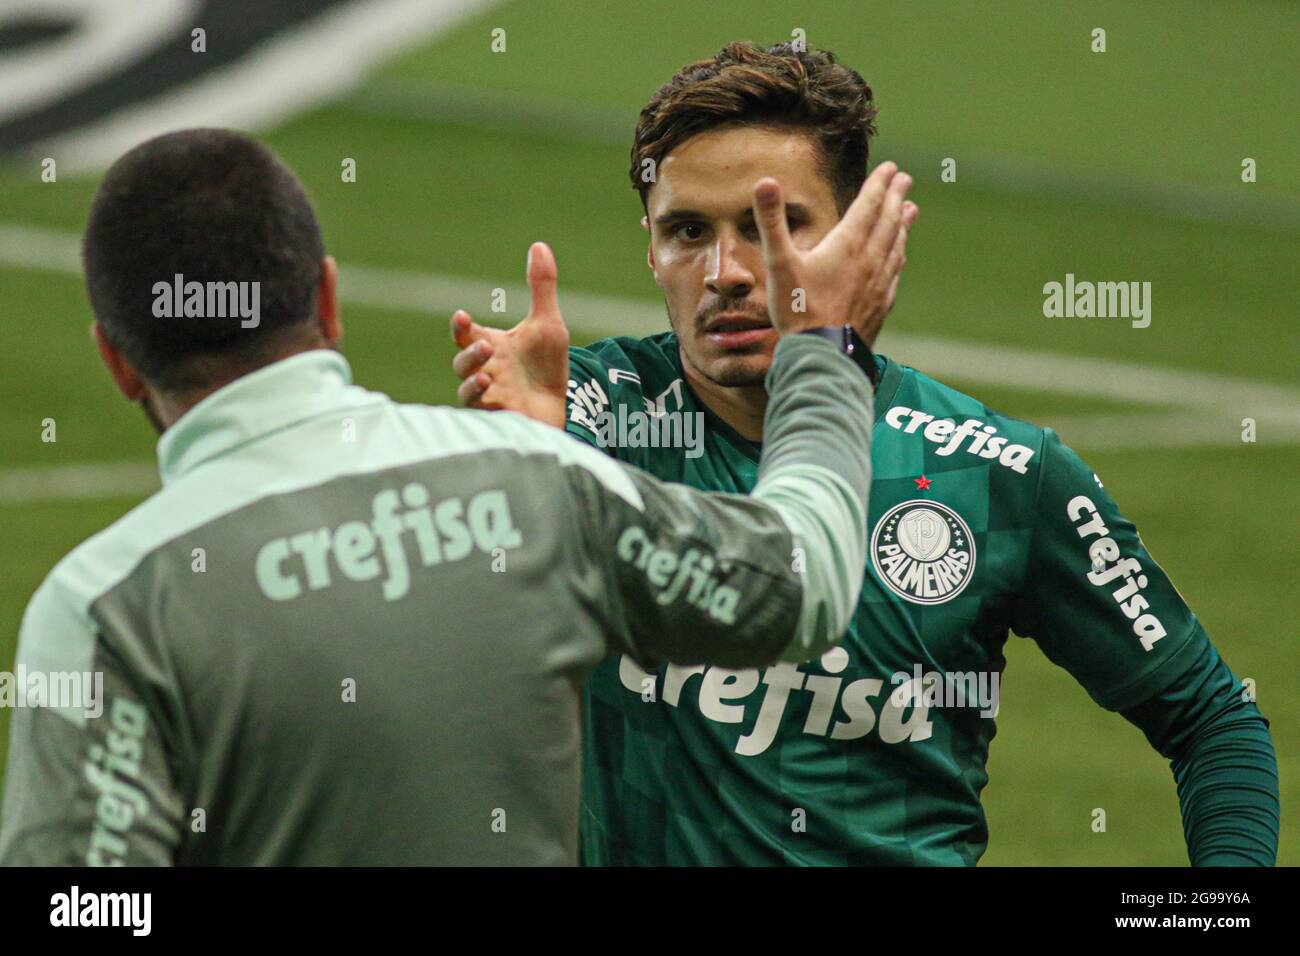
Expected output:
(876, 753)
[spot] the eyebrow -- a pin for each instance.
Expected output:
(683, 215)
(677, 215)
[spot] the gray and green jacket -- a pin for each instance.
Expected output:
(350, 631)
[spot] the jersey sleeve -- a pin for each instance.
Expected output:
(1207, 724)
(597, 387)
(680, 575)
(87, 782)
(1093, 597)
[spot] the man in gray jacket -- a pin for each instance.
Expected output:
(350, 631)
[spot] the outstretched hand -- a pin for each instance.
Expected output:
(524, 369)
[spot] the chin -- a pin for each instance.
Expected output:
(739, 371)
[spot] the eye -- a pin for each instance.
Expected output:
(689, 231)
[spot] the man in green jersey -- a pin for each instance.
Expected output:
(979, 525)
(349, 631)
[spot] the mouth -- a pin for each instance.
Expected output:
(733, 330)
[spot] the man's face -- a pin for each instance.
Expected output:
(704, 245)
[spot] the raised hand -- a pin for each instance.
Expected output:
(852, 274)
(524, 369)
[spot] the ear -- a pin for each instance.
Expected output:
(327, 302)
(649, 248)
(125, 377)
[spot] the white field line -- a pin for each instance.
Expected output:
(109, 35)
(116, 479)
(1172, 408)
(312, 63)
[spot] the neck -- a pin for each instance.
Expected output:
(740, 406)
(164, 409)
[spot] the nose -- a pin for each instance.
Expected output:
(728, 275)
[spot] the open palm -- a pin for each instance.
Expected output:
(524, 369)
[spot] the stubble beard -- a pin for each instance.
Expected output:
(736, 370)
(734, 374)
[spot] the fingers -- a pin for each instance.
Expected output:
(467, 363)
(773, 229)
(460, 328)
(890, 295)
(471, 390)
(898, 253)
(861, 216)
(890, 219)
(889, 276)
(543, 280)
(464, 330)
(470, 360)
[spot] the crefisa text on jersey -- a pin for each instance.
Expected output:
(114, 773)
(444, 531)
(985, 442)
(1146, 626)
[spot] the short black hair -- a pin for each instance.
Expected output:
(212, 205)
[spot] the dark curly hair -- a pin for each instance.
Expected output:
(746, 84)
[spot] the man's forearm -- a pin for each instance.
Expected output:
(1223, 762)
(1228, 793)
(816, 472)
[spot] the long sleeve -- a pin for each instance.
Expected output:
(87, 781)
(1223, 761)
(1101, 607)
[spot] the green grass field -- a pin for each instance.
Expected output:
(1123, 165)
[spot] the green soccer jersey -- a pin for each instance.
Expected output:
(978, 525)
